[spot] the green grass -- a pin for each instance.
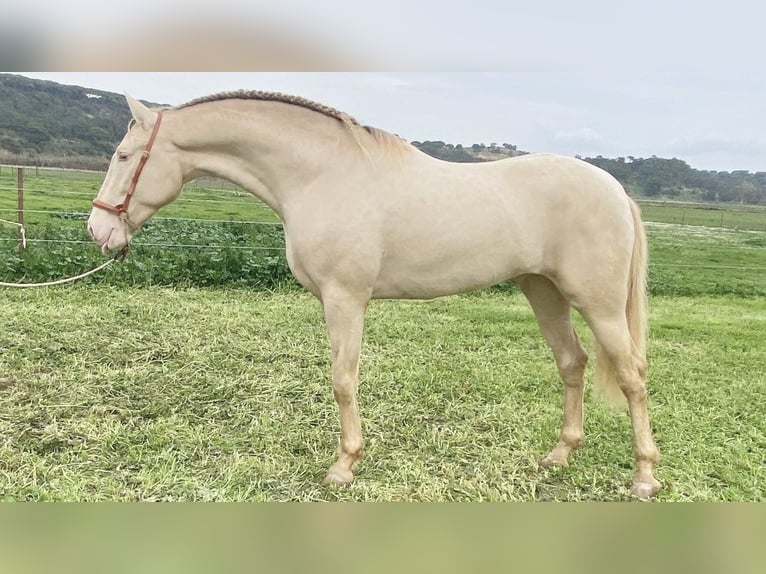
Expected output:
(194, 394)
(220, 246)
(73, 191)
(690, 260)
(731, 216)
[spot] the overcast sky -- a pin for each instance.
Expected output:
(681, 79)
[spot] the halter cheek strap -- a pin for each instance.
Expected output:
(121, 210)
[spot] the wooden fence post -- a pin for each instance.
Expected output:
(20, 182)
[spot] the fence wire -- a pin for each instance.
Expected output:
(44, 184)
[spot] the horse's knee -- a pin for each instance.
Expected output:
(344, 390)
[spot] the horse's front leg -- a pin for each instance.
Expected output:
(344, 314)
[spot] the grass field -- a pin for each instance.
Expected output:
(720, 215)
(161, 394)
(691, 260)
(72, 192)
(184, 393)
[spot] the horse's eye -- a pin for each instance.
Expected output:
(122, 156)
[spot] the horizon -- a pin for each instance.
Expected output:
(456, 108)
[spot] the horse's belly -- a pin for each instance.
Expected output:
(425, 278)
(470, 246)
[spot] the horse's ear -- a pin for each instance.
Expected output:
(141, 113)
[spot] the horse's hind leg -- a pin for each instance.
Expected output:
(611, 331)
(553, 314)
(344, 314)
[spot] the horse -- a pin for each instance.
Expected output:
(368, 216)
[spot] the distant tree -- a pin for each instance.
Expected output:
(653, 187)
(747, 192)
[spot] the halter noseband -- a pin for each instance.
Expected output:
(121, 210)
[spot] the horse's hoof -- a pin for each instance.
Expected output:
(553, 462)
(645, 490)
(338, 476)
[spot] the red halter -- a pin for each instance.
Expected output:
(121, 210)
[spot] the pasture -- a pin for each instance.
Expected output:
(124, 388)
(722, 215)
(194, 394)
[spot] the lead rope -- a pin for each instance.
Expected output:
(120, 255)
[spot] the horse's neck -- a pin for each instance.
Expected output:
(271, 155)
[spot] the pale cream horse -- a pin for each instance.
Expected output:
(368, 216)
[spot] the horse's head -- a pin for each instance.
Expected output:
(143, 176)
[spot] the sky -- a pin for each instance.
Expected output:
(685, 79)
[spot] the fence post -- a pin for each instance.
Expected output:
(20, 185)
(722, 212)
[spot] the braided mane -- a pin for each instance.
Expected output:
(260, 95)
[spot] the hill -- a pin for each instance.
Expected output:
(46, 123)
(49, 124)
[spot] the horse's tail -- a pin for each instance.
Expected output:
(636, 312)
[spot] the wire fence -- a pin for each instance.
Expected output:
(60, 193)
(216, 217)
(214, 234)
